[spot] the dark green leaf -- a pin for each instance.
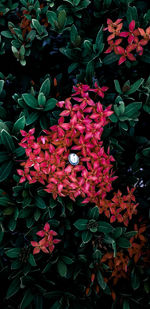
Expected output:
(111, 58)
(134, 87)
(81, 224)
(32, 117)
(30, 100)
(7, 140)
(31, 260)
(94, 213)
(39, 28)
(13, 288)
(62, 268)
(45, 87)
(104, 227)
(19, 125)
(123, 242)
(86, 236)
(131, 110)
(100, 280)
(61, 19)
(13, 253)
(1, 85)
(5, 170)
(117, 86)
(126, 304)
(40, 202)
(27, 299)
(4, 156)
(135, 280)
(50, 104)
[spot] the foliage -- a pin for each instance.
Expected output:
(99, 259)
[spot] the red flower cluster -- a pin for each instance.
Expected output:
(136, 39)
(46, 244)
(92, 178)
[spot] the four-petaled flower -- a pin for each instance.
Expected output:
(46, 244)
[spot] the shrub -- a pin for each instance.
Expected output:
(74, 235)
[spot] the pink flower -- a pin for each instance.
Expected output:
(46, 244)
(99, 90)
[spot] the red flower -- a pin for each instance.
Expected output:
(99, 90)
(145, 35)
(132, 34)
(46, 244)
(92, 178)
(126, 53)
(112, 46)
(113, 28)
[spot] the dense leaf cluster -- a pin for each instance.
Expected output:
(46, 47)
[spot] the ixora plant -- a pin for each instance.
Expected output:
(74, 164)
(91, 178)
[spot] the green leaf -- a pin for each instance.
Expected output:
(73, 34)
(111, 58)
(132, 109)
(40, 202)
(13, 288)
(5, 170)
(32, 117)
(7, 34)
(1, 85)
(31, 260)
(37, 214)
(123, 242)
(86, 236)
(19, 125)
(126, 304)
(45, 87)
(4, 156)
(27, 299)
(104, 227)
(97, 255)
(81, 224)
(12, 224)
(146, 152)
(117, 86)
(62, 19)
(134, 87)
(38, 299)
(30, 100)
(52, 18)
(50, 104)
(7, 140)
(4, 200)
(39, 28)
(101, 281)
(135, 280)
(13, 253)
(41, 99)
(99, 40)
(90, 70)
(94, 213)
(113, 118)
(117, 232)
(62, 268)
(67, 260)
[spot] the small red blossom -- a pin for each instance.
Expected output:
(133, 37)
(113, 46)
(46, 244)
(126, 53)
